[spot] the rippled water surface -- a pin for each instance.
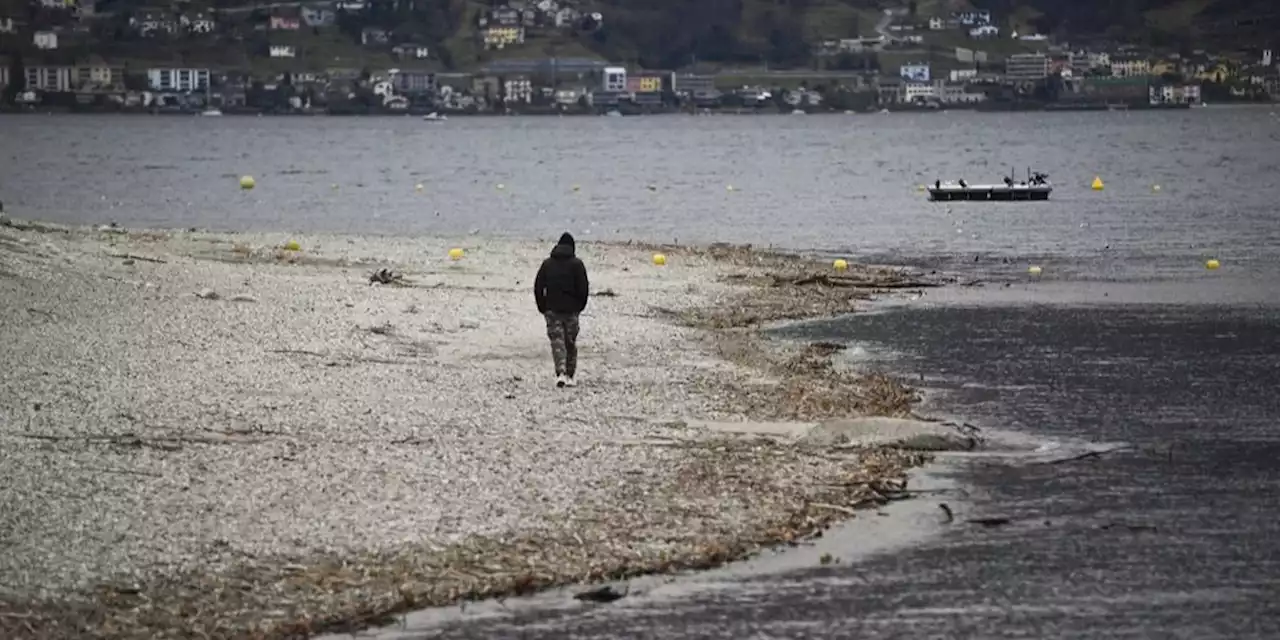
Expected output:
(845, 183)
(1172, 539)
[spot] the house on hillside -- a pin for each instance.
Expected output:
(8, 25)
(414, 82)
(1174, 94)
(50, 77)
(501, 37)
(184, 80)
(1130, 67)
(567, 17)
(199, 22)
(151, 23)
(282, 51)
(504, 17)
(318, 16)
(93, 73)
(518, 89)
(373, 36)
(410, 51)
(285, 19)
(973, 18)
(1026, 67)
(937, 24)
(45, 40)
(983, 32)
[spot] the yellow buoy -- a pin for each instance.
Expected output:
(653, 187)
(728, 187)
(501, 186)
(247, 182)
(840, 264)
(1034, 270)
(292, 245)
(1097, 183)
(1155, 187)
(1212, 264)
(659, 259)
(455, 253)
(417, 187)
(335, 185)
(920, 187)
(577, 188)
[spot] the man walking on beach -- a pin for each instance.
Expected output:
(560, 289)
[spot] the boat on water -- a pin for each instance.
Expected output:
(211, 113)
(435, 117)
(1035, 187)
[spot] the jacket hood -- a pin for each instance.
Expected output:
(564, 248)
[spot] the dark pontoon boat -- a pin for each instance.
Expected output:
(1036, 187)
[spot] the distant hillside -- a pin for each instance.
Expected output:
(674, 33)
(785, 33)
(655, 34)
(1169, 23)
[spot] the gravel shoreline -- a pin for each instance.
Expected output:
(206, 434)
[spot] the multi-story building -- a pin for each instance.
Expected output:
(501, 37)
(1026, 67)
(919, 92)
(1175, 94)
(178, 79)
(415, 82)
(50, 78)
(45, 40)
(517, 90)
(1130, 67)
(93, 73)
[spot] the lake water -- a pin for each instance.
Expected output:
(1126, 337)
(838, 183)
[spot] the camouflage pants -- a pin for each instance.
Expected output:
(562, 330)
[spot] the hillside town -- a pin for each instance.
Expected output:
(340, 57)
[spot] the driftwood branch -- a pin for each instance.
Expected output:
(833, 507)
(130, 256)
(298, 352)
(826, 280)
(603, 594)
(129, 472)
(1087, 455)
(989, 522)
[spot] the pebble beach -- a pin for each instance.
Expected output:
(232, 435)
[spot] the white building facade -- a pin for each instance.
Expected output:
(178, 79)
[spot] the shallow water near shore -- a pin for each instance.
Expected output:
(1171, 537)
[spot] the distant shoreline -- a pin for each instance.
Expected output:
(980, 108)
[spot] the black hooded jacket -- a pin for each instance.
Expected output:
(561, 284)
